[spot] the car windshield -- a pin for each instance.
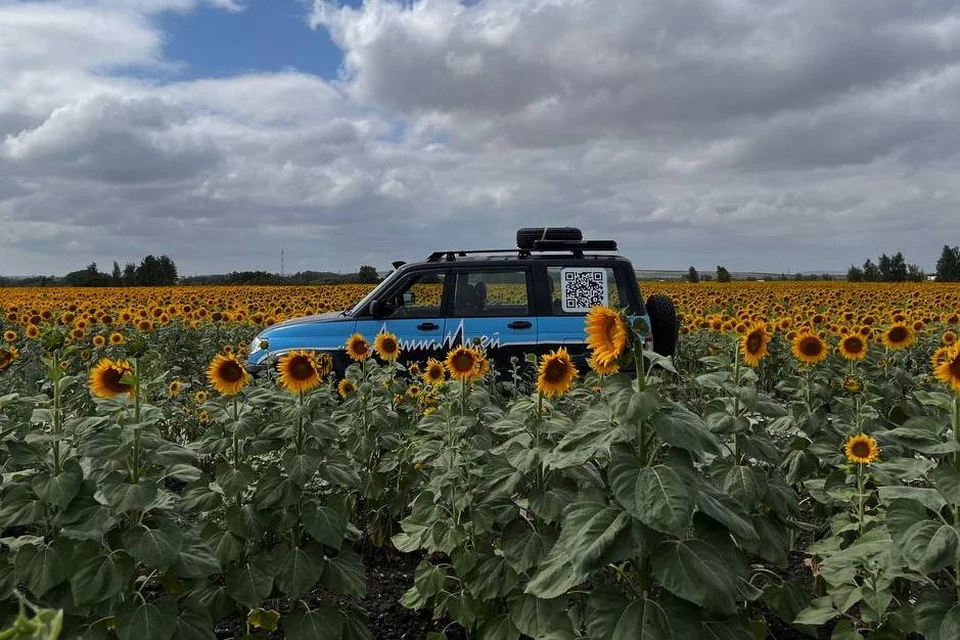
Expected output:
(373, 294)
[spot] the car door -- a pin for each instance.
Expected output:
(572, 290)
(413, 311)
(492, 307)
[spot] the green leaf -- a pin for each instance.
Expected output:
(344, 574)
(536, 617)
(40, 568)
(148, 621)
(787, 600)
(158, 548)
(929, 498)
(845, 631)
(523, 546)
(820, 611)
(947, 479)
(320, 624)
(725, 510)
(299, 570)
(59, 490)
(184, 473)
(679, 427)
(694, 571)
(248, 584)
(657, 496)
(950, 627)
(493, 578)
(611, 616)
(327, 524)
(234, 481)
(497, 628)
(428, 578)
(265, 619)
(550, 502)
(123, 496)
(930, 611)
(20, 507)
(742, 483)
(98, 577)
(589, 529)
(197, 560)
(340, 475)
(300, 468)
(244, 522)
(555, 576)
(594, 432)
(194, 623)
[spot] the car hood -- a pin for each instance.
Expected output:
(314, 319)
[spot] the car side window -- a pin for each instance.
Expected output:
(487, 293)
(574, 290)
(420, 297)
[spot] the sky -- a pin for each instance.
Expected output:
(763, 135)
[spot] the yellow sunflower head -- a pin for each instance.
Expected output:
(603, 369)
(357, 347)
(753, 343)
(851, 384)
(173, 389)
(106, 378)
(606, 334)
(946, 365)
(808, 347)
(99, 341)
(434, 373)
(898, 336)
(33, 332)
(345, 388)
(387, 346)
(227, 375)
(948, 337)
(10, 336)
(299, 371)
(556, 373)
(861, 449)
(853, 346)
(200, 396)
(462, 363)
(116, 338)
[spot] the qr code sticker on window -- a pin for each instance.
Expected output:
(582, 289)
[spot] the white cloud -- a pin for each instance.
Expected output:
(784, 134)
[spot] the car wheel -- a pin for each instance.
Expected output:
(663, 324)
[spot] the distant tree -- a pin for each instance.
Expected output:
(722, 274)
(915, 274)
(948, 266)
(884, 265)
(854, 274)
(707, 277)
(367, 275)
(871, 273)
(129, 274)
(798, 276)
(692, 275)
(166, 272)
(116, 277)
(898, 268)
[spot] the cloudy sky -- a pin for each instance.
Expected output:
(765, 135)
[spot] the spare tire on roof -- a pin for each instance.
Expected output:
(527, 236)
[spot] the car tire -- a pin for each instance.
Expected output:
(663, 324)
(527, 236)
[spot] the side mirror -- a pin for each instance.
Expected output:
(377, 309)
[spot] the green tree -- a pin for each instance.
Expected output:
(854, 274)
(722, 274)
(692, 275)
(367, 275)
(871, 273)
(948, 266)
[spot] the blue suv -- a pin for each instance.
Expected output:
(530, 299)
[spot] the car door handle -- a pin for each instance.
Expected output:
(520, 324)
(427, 326)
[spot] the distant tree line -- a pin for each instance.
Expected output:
(887, 269)
(723, 275)
(948, 266)
(366, 275)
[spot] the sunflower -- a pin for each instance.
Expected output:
(606, 334)
(462, 363)
(357, 347)
(413, 370)
(434, 373)
(853, 347)
(227, 375)
(200, 396)
(861, 449)
(414, 391)
(106, 378)
(10, 336)
(852, 385)
(948, 337)
(33, 331)
(203, 417)
(603, 369)
(299, 371)
(116, 338)
(345, 388)
(808, 347)
(946, 365)
(898, 336)
(99, 341)
(144, 326)
(7, 356)
(174, 388)
(754, 343)
(556, 373)
(387, 346)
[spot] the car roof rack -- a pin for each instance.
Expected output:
(575, 248)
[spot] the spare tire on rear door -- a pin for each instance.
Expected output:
(663, 324)
(526, 237)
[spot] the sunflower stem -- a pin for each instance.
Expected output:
(57, 374)
(736, 401)
(300, 423)
(135, 467)
(236, 438)
(860, 496)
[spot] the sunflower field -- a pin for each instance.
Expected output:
(794, 471)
